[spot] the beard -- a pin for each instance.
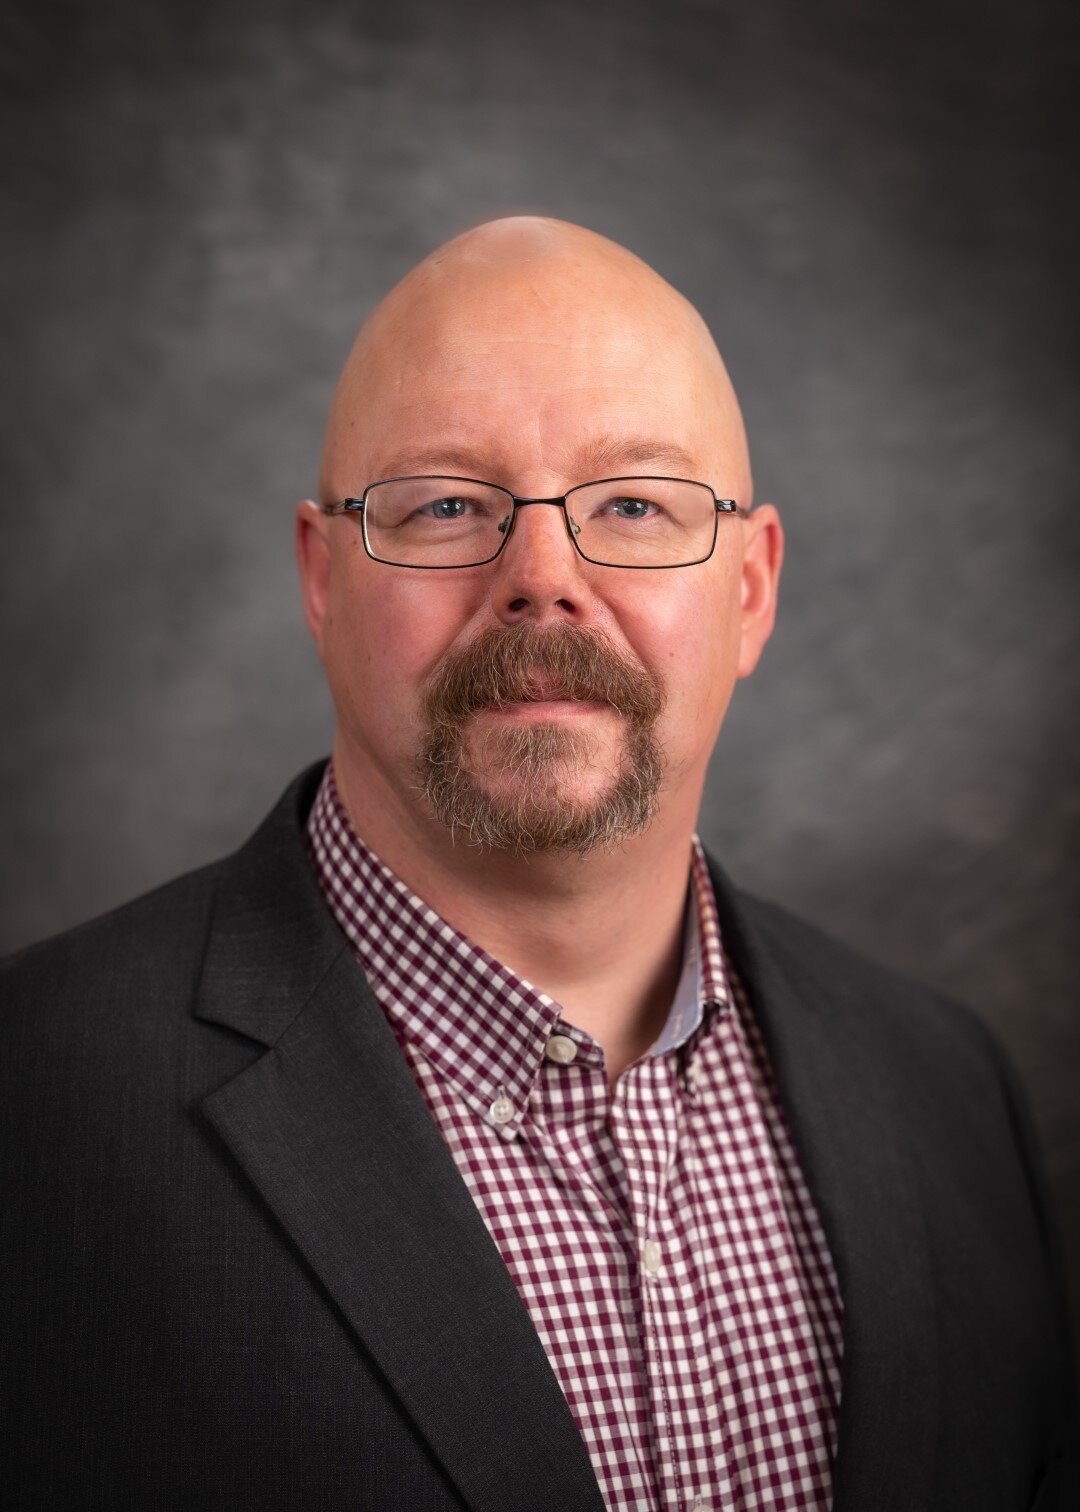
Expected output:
(534, 806)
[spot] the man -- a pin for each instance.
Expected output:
(467, 1139)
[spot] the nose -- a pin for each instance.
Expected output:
(538, 572)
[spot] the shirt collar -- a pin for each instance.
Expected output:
(481, 1026)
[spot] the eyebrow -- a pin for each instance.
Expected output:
(602, 456)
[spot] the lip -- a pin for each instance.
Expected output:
(546, 709)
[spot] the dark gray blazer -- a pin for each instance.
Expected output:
(240, 1270)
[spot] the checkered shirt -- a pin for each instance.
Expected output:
(661, 1237)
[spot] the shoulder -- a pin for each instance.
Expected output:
(912, 1043)
(897, 1038)
(104, 1002)
(156, 942)
(99, 1050)
(145, 937)
(886, 1001)
(121, 990)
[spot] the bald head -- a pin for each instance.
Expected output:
(531, 342)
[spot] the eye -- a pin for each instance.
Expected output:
(632, 509)
(448, 509)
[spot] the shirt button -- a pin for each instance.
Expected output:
(560, 1049)
(502, 1110)
(650, 1256)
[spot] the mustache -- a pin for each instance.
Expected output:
(503, 666)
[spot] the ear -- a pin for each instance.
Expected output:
(763, 556)
(313, 559)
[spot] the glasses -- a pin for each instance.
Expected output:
(616, 522)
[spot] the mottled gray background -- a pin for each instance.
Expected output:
(876, 209)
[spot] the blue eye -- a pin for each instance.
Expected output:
(448, 509)
(632, 509)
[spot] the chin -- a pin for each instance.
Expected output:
(548, 793)
(542, 789)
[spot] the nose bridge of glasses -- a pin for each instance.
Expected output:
(558, 500)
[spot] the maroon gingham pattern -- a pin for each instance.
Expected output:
(662, 1238)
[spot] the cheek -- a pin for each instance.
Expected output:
(687, 630)
(386, 628)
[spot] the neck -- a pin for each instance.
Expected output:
(601, 934)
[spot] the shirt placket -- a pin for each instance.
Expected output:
(568, 1123)
(646, 1123)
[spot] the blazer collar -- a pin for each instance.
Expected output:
(272, 939)
(333, 1131)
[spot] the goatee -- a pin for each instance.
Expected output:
(534, 807)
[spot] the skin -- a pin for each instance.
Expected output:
(538, 355)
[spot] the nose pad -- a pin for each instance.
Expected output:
(575, 528)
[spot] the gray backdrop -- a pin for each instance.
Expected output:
(876, 210)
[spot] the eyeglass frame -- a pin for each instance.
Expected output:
(356, 506)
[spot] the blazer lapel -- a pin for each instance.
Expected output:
(335, 1135)
(852, 1129)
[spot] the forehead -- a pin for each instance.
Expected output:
(570, 380)
(491, 430)
(594, 455)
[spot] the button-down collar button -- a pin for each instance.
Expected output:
(502, 1110)
(560, 1048)
(650, 1256)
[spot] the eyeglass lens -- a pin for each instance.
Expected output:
(625, 522)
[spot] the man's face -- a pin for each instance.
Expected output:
(538, 379)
